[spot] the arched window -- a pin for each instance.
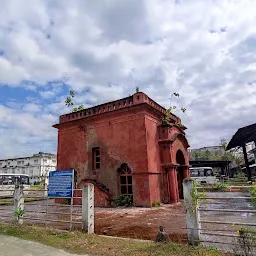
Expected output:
(125, 180)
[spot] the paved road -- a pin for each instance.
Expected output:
(12, 246)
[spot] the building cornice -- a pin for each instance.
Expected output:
(130, 102)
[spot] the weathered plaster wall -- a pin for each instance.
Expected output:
(121, 138)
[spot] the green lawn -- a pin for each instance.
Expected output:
(10, 201)
(81, 243)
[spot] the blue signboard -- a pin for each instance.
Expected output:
(60, 183)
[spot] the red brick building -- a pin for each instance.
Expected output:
(124, 148)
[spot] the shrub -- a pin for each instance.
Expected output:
(245, 242)
(123, 201)
(156, 204)
(240, 177)
(218, 186)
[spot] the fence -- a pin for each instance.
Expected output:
(34, 206)
(226, 220)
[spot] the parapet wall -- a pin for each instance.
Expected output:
(137, 98)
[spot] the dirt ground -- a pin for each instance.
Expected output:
(139, 223)
(142, 223)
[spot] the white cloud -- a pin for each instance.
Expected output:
(26, 131)
(32, 108)
(11, 74)
(47, 94)
(205, 50)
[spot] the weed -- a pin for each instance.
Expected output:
(245, 242)
(156, 204)
(212, 249)
(218, 186)
(123, 201)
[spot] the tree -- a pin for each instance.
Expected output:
(69, 102)
(235, 157)
(222, 155)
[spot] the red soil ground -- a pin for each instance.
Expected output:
(142, 223)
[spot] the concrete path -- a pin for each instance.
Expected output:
(12, 246)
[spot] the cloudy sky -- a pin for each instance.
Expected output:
(203, 49)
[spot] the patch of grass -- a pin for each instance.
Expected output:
(81, 243)
(10, 201)
(6, 201)
(36, 187)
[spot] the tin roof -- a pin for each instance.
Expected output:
(242, 136)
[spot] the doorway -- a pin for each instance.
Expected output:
(180, 177)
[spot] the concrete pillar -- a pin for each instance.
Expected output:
(173, 185)
(192, 213)
(88, 208)
(45, 190)
(18, 198)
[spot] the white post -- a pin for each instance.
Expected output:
(88, 208)
(192, 213)
(45, 189)
(18, 198)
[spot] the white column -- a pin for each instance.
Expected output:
(18, 198)
(192, 213)
(88, 208)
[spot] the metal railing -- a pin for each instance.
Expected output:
(221, 218)
(62, 213)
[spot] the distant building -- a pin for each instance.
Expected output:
(252, 165)
(36, 166)
(213, 155)
(253, 151)
(196, 154)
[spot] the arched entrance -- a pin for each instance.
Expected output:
(180, 159)
(125, 180)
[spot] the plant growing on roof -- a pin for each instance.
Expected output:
(170, 110)
(69, 102)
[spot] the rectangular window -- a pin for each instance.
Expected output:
(96, 158)
(45, 160)
(36, 161)
(20, 162)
